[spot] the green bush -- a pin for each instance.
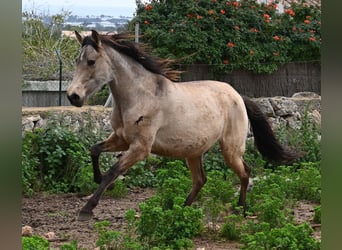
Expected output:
(232, 228)
(120, 189)
(296, 237)
(52, 160)
(231, 34)
(164, 222)
(216, 196)
(69, 246)
(39, 41)
(143, 173)
(115, 240)
(34, 242)
(169, 228)
(317, 214)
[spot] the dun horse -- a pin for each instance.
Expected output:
(154, 114)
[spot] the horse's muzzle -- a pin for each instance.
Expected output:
(75, 100)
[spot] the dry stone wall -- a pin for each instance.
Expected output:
(287, 111)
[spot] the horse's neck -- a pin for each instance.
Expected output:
(131, 80)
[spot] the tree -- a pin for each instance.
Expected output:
(230, 34)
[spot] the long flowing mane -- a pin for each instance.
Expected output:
(123, 43)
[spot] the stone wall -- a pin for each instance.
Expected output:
(280, 110)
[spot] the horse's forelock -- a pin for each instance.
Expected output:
(89, 41)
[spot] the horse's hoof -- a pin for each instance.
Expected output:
(84, 216)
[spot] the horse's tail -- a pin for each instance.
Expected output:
(264, 137)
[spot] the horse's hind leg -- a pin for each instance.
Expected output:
(198, 177)
(236, 163)
(112, 144)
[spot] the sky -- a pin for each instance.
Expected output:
(113, 8)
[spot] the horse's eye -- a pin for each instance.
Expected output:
(91, 62)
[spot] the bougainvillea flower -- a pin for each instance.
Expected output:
(148, 7)
(290, 12)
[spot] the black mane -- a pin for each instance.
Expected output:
(122, 43)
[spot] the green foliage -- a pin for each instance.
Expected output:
(34, 242)
(60, 155)
(142, 174)
(231, 229)
(317, 215)
(305, 140)
(100, 97)
(164, 221)
(287, 237)
(120, 189)
(231, 34)
(53, 159)
(39, 41)
(69, 246)
(214, 200)
(115, 240)
(171, 228)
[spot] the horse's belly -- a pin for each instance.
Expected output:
(182, 146)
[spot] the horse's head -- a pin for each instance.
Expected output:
(93, 69)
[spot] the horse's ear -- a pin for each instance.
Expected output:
(95, 37)
(79, 37)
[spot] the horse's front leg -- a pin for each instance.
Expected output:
(135, 153)
(112, 144)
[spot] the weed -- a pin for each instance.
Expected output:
(317, 214)
(70, 246)
(214, 200)
(232, 229)
(120, 189)
(115, 240)
(289, 236)
(34, 242)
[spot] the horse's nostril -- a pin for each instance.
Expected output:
(75, 100)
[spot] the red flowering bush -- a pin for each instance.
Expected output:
(231, 34)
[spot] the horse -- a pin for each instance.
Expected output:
(155, 113)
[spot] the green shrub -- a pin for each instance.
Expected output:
(317, 214)
(232, 228)
(216, 195)
(120, 189)
(287, 237)
(164, 222)
(69, 246)
(172, 228)
(52, 160)
(115, 240)
(34, 242)
(305, 182)
(39, 42)
(143, 173)
(231, 34)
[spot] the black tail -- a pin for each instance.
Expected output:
(264, 137)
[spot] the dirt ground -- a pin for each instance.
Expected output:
(58, 214)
